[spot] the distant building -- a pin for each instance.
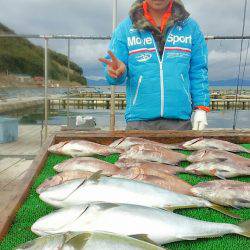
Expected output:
(23, 78)
(38, 79)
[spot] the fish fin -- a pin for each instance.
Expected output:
(224, 211)
(172, 208)
(196, 140)
(116, 143)
(220, 176)
(218, 173)
(243, 202)
(213, 147)
(106, 206)
(245, 226)
(81, 184)
(235, 207)
(76, 153)
(143, 237)
(78, 241)
(220, 160)
(96, 176)
(188, 238)
(213, 206)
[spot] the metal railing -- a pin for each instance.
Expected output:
(68, 38)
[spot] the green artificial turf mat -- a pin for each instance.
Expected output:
(33, 209)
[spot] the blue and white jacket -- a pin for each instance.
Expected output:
(170, 86)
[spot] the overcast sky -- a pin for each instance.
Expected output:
(84, 17)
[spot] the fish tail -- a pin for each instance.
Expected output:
(224, 211)
(245, 227)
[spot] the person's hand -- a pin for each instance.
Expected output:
(115, 67)
(200, 120)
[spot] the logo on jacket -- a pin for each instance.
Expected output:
(132, 30)
(144, 57)
(179, 39)
(135, 40)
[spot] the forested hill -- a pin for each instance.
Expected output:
(20, 56)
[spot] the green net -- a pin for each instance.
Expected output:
(33, 209)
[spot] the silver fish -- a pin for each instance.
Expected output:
(82, 148)
(159, 225)
(168, 169)
(89, 241)
(114, 190)
(222, 169)
(213, 154)
(154, 153)
(128, 142)
(87, 164)
(203, 143)
(227, 193)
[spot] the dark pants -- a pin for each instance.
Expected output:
(160, 124)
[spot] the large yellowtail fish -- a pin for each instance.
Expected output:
(89, 241)
(116, 190)
(158, 225)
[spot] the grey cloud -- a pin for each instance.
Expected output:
(94, 17)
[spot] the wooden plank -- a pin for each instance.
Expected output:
(9, 193)
(13, 172)
(22, 188)
(106, 137)
(6, 163)
(28, 143)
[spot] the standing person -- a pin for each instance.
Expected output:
(161, 53)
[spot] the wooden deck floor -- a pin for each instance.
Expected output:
(28, 144)
(15, 161)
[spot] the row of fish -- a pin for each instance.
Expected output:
(208, 161)
(86, 148)
(195, 144)
(229, 193)
(96, 197)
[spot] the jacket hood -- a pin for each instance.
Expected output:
(179, 14)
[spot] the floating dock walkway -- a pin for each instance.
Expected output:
(93, 100)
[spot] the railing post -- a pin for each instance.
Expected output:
(112, 101)
(68, 80)
(46, 86)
